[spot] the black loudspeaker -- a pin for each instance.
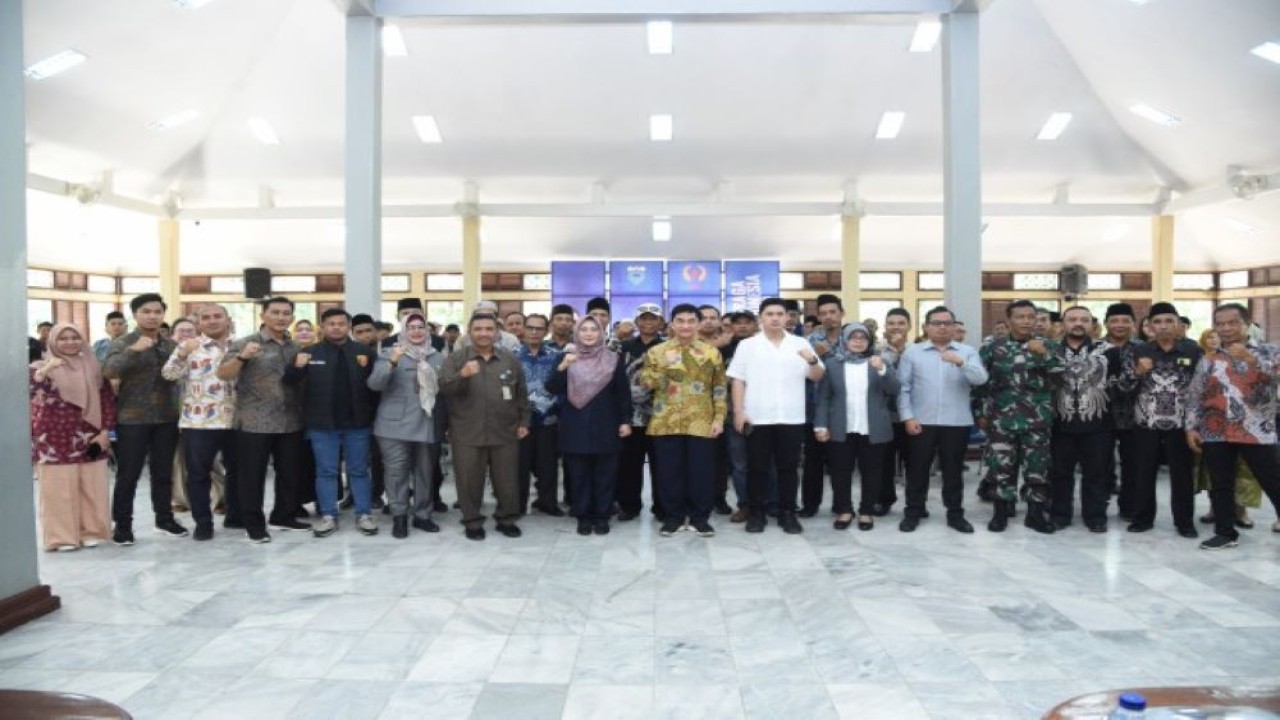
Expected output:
(257, 283)
(1073, 280)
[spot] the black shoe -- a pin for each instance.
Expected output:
(669, 528)
(1219, 542)
(386, 509)
(301, 512)
(755, 522)
(1188, 533)
(552, 510)
(1037, 520)
(628, 515)
(1061, 523)
(1098, 528)
(204, 531)
(290, 524)
(510, 530)
(909, 524)
(1139, 527)
(789, 524)
(474, 533)
(440, 506)
(959, 524)
(839, 524)
(602, 528)
(123, 535)
(427, 525)
(722, 507)
(584, 527)
(805, 513)
(999, 516)
(171, 527)
(400, 527)
(259, 537)
(233, 523)
(703, 528)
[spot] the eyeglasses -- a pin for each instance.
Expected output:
(941, 323)
(535, 328)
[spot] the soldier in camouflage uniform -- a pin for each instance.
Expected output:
(1015, 409)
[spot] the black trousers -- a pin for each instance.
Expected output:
(1088, 451)
(896, 452)
(815, 467)
(773, 447)
(539, 459)
(720, 491)
(635, 448)
(1220, 458)
(199, 449)
(1128, 468)
(856, 451)
(948, 443)
(1147, 446)
(153, 445)
(593, 478)
(683, 477)
(286, 452)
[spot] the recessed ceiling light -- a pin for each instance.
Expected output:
(1054, 126)
(55, 64)
(1268, 51)
(191, 4)
(393, 42)
(661, 128)
(661, 37)
(927, 33)
(662, 229)
(1156, 116)
(1240, 226)
(174, 120)
(263, 131)
(890, 125)
(428, 130)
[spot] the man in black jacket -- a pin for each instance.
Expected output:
(338, 411)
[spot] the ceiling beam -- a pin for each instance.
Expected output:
(638, 10)
(1217, 195)
(94, 195)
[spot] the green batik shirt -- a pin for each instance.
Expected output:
(689, 392)
(1020, 392)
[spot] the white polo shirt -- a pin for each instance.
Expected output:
(775, 376)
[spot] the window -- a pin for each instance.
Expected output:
(537, 281)
(1035, 281)
(880, 281)
(537, 306)
(1233, 280)
(445, 312)
(98, 318)
(444, 282)
(1200, 313)
(227, 285)
(931, 281)
(293, 284)
(395, 283)
(139, 285)
(39, 278)
(38, 311)
(877, 310)
(389, 313)
(1104, 281)
(244, 318)
(791, 281)
(102, 284)
(1193, 281)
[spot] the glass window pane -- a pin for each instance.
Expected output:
(1035, 281)
(139, 285)
(444, 281)
(1193, 281)
(244, 318)
(293, 283)
(395, 283)
(102, 284)
(537, 281)
(98, 319)
(791, 281)
(880, 281)
(389, 313)
(446, 312)
(1233, 280)
(227, 285)
(1104, 281)
(38, 311)
(1200, 312)
(931, 281)
(876, 310)
(39, 278)
(537, 306)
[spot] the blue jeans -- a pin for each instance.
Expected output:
(353, 445)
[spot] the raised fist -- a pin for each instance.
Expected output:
(143, 344)
(397, 352)
(1144, 366)
(876, 363)
(188, 346)
(250, 351)
(953, 357)
(472, 367)
(1037, 346)
(568, 360)
(302, 360)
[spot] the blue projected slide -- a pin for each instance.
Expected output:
(635, 277)
(577, 278)
(693, 278)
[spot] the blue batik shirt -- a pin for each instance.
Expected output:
(538, 368)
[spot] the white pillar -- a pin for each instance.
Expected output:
(19, 575)
(962, 169)
(363, 169)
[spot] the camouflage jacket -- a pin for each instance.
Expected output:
(1020, 392)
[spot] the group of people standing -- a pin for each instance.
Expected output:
(748, 400)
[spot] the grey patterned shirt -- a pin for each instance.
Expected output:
(265, 403)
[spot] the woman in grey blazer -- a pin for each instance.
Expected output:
(405, 425)
(853, 413)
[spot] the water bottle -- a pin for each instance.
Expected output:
(1132, 706)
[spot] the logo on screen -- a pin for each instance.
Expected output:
(694, 275)
(636, 274)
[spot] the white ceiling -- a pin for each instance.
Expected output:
(537, 113)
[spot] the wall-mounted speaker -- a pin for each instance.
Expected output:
(1073, 280)
(257, 283)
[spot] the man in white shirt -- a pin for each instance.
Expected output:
(768, 373)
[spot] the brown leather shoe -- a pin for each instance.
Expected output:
(739, 516)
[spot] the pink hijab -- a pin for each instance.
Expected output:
(79, 379)
(593, 369)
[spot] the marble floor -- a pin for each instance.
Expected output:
(827, 624)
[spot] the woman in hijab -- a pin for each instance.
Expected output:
(595, 402)
(853, 412)
(304, 333)
(72, 412)
(406, 375)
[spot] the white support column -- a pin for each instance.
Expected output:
(19, 576)
(962, 168)
(363, 170)
(469, 211)
(170, 277)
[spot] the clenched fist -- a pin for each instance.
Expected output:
(1144, 366)
(187, 347)
(568, 360)
(143, 344)
(472, 367)
(876, 362)
(1037, 347)
(302, 360)
(397, 352)
(250, 351)
(952, 357)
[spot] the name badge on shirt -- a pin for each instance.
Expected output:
(506, 392)
(316, 362)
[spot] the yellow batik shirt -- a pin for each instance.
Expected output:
(688, 383)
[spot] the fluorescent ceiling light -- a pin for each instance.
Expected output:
(890, 125)
(662, 229)
(661, 37)
(1239, 226)
(927, 33)
(661, 128)
(174, 120)
(1054, 126)
(393, 42)
(1158, 117)
(55, 64)
(428, 130)
(263, 131)
(1268, 51)
(191, 4)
